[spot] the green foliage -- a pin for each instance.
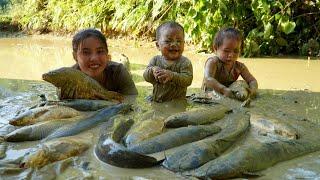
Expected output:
(270, 27)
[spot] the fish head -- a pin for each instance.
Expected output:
(58, 76)
(125, 108)
(18, 135)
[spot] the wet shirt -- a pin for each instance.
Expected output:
(225, 77)
(117, 79)
(177, 87)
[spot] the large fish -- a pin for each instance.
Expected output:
(3, 148)
(74, 84)
(29, 116)
(253, 156)
(193, 155)
(38, 131)
(173, 138)
(275, 128)
(89, 122)
(55, 150)
(45, 113)
(6, 129)
(143, 130)
(116, 154)
(120, 127)
(111, 152)
(197, 116)
(240, 90)
(83, 104)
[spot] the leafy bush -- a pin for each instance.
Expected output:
(270, 27)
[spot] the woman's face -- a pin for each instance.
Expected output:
(92, 57)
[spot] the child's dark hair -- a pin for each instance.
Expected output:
(83, 34)
(168, 24)
(227, 33)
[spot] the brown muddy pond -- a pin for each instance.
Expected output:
(290, 89)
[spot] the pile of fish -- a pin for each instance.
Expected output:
(218, 140)
(56, 125)
(211, 142)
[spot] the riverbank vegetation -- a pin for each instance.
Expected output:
(270, 28)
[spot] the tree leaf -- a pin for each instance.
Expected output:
(287, 26)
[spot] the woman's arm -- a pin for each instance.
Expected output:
(127, 86)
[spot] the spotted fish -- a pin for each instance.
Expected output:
(74, 84)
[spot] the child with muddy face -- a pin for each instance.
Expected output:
(170, 73)
(223, 69)
(90, 51)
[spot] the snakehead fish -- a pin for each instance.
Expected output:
(197, 116)
(109, 150)
(174, 137)
(74, 84)
(83, 104)
(89, 122)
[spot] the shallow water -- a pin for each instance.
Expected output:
(29, 57)
(24, 60)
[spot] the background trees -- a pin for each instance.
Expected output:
(270, 27)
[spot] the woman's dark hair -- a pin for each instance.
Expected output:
(230, 33)
(168, 24)
(83, 34)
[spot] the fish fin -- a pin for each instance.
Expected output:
(252, 174)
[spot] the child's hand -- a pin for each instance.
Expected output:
(252, 92)
(164, 76)
(155, 71)
(227, 92)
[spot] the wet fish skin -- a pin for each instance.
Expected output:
(6, 129)
(83, 104)
(38, 131)
(143, 130)
(120, 130)
(29, 116)
(75, 84)
(116, 154)
(54, 112)
(174, 138)
(3, 148)
(193, 155)
(89, 122)
(55, 150)
(197, 116)
(276, 128)
(111, 152)
(254, 157)
(240, 90)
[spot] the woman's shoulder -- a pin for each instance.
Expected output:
(114, 67)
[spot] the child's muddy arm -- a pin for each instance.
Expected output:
(148, 73)
(209, 73)
(185, 76)
(251, 80)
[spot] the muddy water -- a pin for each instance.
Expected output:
(23, 60)
(29, 57)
